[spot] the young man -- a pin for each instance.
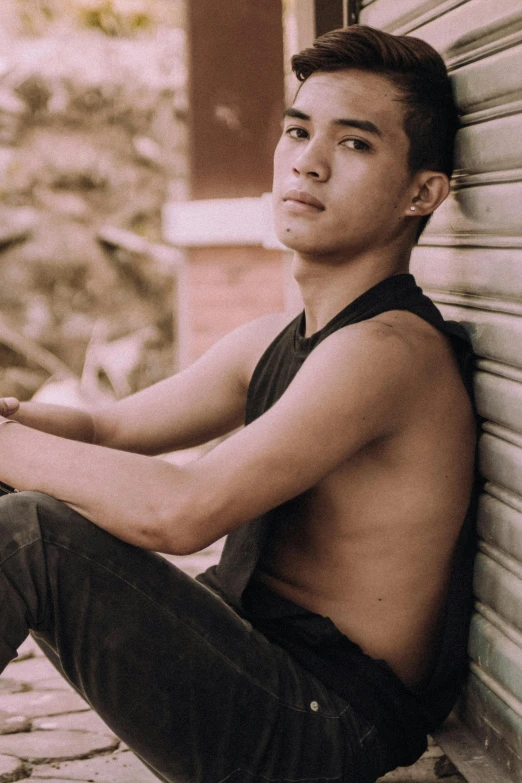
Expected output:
(331, 637)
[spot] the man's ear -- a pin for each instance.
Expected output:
(430, 188)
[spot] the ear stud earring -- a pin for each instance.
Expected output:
(413, 209)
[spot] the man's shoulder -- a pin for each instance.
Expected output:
(268, 326)
(425, 345)
(253, 338)
(397, 349)
(398, 333)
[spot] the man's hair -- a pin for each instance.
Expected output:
(418, 73)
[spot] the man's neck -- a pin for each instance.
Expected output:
(328, 288)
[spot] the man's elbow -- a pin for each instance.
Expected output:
(178, 546)
(183, 533)
(176, 539)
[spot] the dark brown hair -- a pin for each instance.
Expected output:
(418, 73)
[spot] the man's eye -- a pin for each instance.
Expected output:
(296, 133)
(356, 144)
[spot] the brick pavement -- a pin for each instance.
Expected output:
(48, 733)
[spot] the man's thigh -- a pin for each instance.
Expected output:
(172, 669)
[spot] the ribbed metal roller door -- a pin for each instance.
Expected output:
(470, 261)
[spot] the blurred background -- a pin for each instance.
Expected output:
(93, 113)
(98, 155)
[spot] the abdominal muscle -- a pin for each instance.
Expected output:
(375, 558)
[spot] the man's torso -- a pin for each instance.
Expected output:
(371, 545)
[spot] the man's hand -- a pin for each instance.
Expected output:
(9, 406)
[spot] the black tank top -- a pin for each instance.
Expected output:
(403, 717)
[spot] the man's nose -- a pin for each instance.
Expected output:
(312, 162)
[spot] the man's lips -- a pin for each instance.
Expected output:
(300, 196)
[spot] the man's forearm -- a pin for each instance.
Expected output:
(60, 420)
(136, 498)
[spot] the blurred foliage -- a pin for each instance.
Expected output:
(112, 20)
(122, 18)
(92, 137)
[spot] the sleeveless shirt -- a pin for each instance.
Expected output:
(402, 716)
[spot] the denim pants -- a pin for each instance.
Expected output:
(197, 693)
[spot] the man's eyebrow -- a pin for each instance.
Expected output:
(296, 114)
(364, 125)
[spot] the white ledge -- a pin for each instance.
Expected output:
(221, 222)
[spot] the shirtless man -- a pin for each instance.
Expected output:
(344, 495)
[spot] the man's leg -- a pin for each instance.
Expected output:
(189, 685)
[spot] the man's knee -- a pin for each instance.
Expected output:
(23, 518)
(18, 521)
(28, 517)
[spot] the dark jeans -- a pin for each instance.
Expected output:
(190, 686)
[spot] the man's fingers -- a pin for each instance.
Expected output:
(8, 406)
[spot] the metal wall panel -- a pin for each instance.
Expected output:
(496, 336)
(398, 17)
(501, 732)
(470, 261)
(491, 146)
(498, 656)
(494, 209)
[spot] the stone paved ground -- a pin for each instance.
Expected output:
(48, 733)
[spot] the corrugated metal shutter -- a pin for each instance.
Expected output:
(470, 261)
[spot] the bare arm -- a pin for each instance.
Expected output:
(331, 410)
(194, 406)
(58, 419)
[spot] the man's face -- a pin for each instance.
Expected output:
(341, 179)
